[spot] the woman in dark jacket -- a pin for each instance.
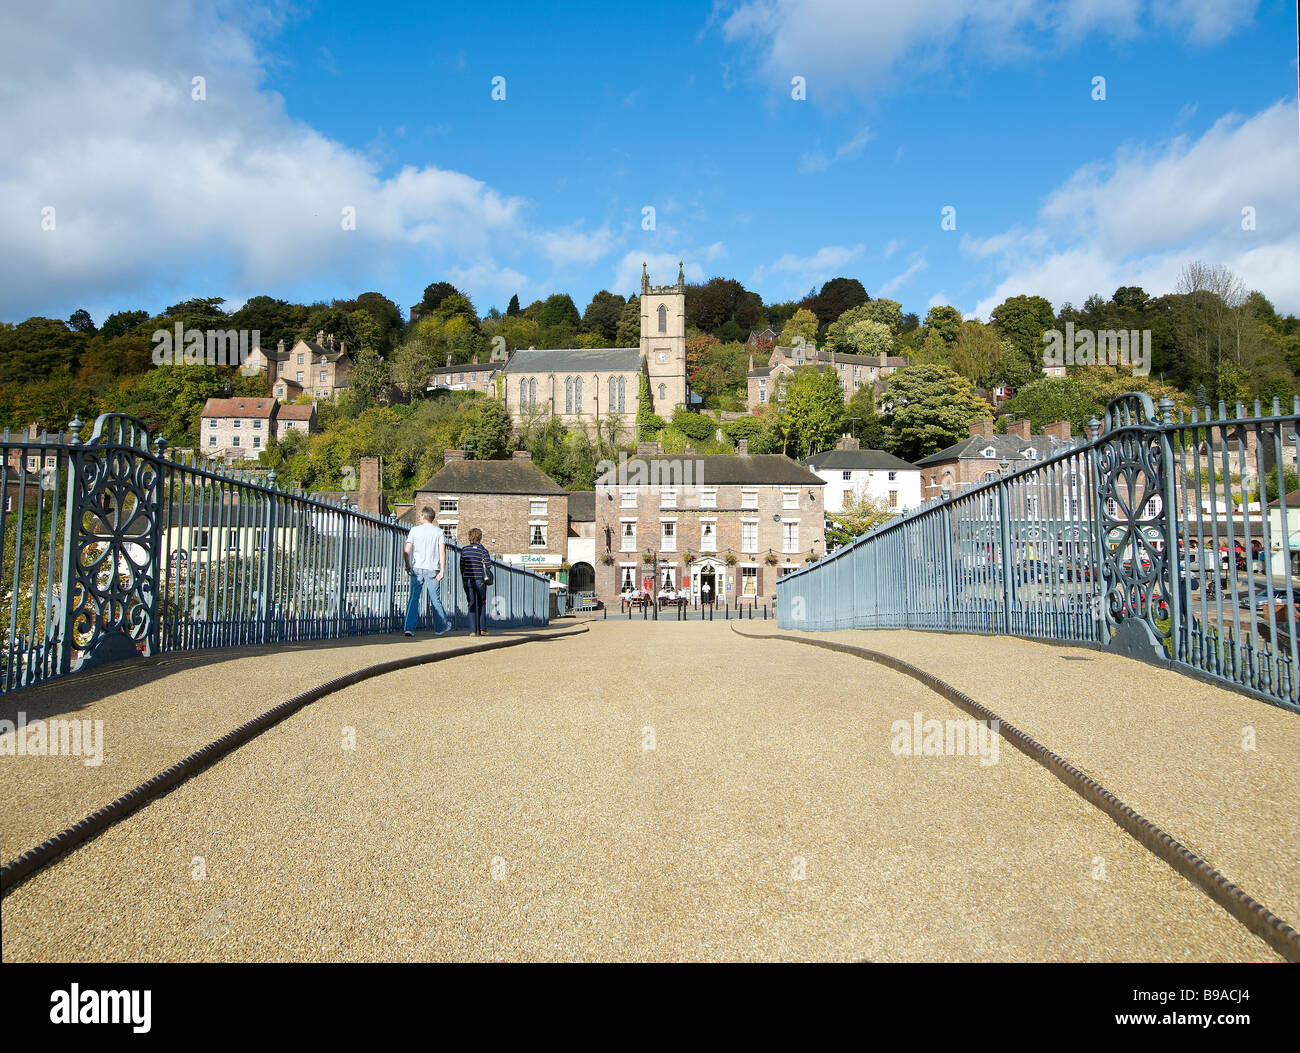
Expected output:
(475, 572)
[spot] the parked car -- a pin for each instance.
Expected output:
(1262, 597)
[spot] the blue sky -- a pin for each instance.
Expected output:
(311, 108)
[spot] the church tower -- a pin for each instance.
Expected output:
(663, 341)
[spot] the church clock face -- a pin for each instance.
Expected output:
(663, 356)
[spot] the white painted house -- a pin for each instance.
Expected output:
(851, 473)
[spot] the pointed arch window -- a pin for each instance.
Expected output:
(523, 392)
(577, 395)
(613, 394)
(532, 393)
(663, 319)
(622, 391)
(663, 392)
(568, 394)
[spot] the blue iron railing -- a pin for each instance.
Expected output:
(110, 548)
(1173, 540)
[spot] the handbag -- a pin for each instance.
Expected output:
(487, 570)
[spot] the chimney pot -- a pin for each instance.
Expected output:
(452, 455)
(1019, 428)
(1059, 428)
(982, 428)
(742, 447)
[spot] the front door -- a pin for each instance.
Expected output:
(706, 576)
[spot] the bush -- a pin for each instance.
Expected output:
(695, 426)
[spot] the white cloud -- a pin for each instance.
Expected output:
(1140, 218)
(158, 195)
(859, 45)
(822, 265)
(819, 162)
(899, 280)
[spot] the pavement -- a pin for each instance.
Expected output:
(647, 791)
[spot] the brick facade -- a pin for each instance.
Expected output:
(780, 502)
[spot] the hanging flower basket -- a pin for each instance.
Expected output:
(647, 558)
(770, 559)
(607, 559)
(731, 559)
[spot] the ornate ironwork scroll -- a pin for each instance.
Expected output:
(113, 535)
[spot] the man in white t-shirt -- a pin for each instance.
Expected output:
(425, 556)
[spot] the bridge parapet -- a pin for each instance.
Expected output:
(112, 548)
(1172, 538)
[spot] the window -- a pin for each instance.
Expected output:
(449, 529)
(790, 500)
(621, 392)
(212, 422)
(847, 476)
(893, 498)
(629, 537)
(536, 535)
(300, 376)
(848, 498)
(669, 582)
(667, 498)
(568, 394)
(532, 393)
(523, 393)
(35, 462)
(257, 442)
(663, 319)
(762, 395)
(749, 499)
(300, 360)
(460, 377)
(708, 498)
(235, 441)
(629, 499)
(198, 539)
(668, 541)
(537, 506)
(449, 504)
(212, 440)
(708, 537)
(789, 537)
(1031, 506)
(577, 395)
(322, 376)
(893, 476)
(628, 580)
(257, 425)
(748, 537)
(235, 423)
(613, 394)
(663, 392)
(749, 581)
(988, 452)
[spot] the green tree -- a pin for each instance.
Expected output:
(943, 320)
(629, 324)
(803, 325)
(602, 316)
(485, 428)
(512, 308)
(929, 408)
(813, 409)
(1023, 320)
(648, 423)
(860, 516)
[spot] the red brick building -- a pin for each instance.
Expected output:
(736, 521)
(523, 513)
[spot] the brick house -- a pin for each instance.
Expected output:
(236, 428)
(737, 521)
(854, 371)
(465, 376)
(295, 418)
(976, 458)
(523, 513)
(317, 368)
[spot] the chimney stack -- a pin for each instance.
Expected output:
(368, 493)
(452, 455)
(1018, 428)
(647, 449)
(522, 455)
(1059, 428)
(848, 442)
(982, 428)
(742, 447)
(320, 336)
(279, 347)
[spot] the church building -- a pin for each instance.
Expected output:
(586, 386)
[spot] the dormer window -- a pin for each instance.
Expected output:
(1030, 453)
(988, 452)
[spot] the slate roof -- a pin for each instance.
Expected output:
(575, 360)
(492, 477)
(582, 506)
(1012, 447)
(721, 469)
(467, 367)
(858, 460)
(296, 412)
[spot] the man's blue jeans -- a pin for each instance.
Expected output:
(422, 581)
